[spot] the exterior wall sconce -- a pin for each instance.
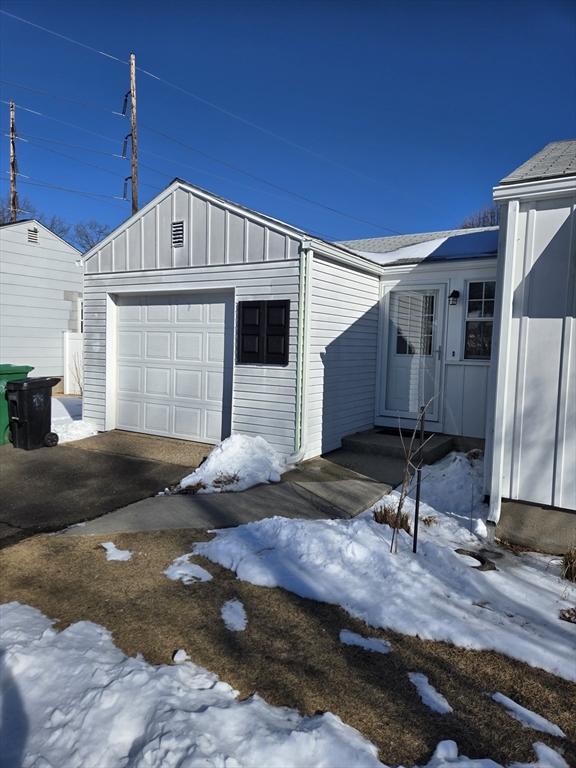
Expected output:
(453, 298)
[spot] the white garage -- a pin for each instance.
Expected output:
(174, 365)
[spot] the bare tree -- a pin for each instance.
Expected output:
(29, 211)
(88, 233)
(78, 373)
(489, 216)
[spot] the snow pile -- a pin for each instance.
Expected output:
(368, 643)
(528, 718)
(185, 571)
(67, 419)
(238, 463)
(428, 694)
(113, 553)
(234, 615)
(434, 594)
(73, 698)
(180, 656)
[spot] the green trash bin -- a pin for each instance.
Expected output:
(9, 373)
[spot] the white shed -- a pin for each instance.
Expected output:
(204, 318)
(533, 443)
(40, 296)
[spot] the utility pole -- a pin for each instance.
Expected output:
(134, 137)
(13, 165)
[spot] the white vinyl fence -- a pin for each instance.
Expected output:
(73, 363)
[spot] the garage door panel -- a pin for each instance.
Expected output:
(157, 417)
(190, 313)
(189, 346)
(188, 384)
(129, 414)
(159, 313)
(130, 344)
(188, 423)
(213, 424)
(175, 365)
(158, 345)
(157, 381)
(129, 379)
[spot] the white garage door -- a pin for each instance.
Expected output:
(175, 365)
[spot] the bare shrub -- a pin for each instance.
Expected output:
(429, 520)
(387, 514)
(568, 567)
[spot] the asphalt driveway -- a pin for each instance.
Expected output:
(51, 488)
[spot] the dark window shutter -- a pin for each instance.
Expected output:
(263, 332)
(277, 328)
(250, 331)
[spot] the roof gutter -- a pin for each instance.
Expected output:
(342, 256)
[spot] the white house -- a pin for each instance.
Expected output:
(203, 318)
(40, 296)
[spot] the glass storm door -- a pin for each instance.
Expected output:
(413, 367)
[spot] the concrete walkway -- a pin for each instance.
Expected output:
(50, 488)
(317, 489)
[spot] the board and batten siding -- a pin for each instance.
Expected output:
(539, 448)
(264, 397)
(213, 235)
(343, 342)
(40, 294)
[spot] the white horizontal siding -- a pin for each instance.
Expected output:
(343, 339)
(263, 396)
(37, 281)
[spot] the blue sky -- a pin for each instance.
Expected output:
(405, 113)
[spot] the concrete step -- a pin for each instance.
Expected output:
(377, 442)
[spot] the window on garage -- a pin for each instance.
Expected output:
(263, 332)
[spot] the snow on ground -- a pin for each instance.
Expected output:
(368, 643)
(528, 718)
(113, 553)
(186, 571)
(429, 695)
(234, 615)
(434, 594)
(67, 419)
(238, 463)
(180, 656)
(72, 698)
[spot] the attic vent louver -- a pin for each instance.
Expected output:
(177, 234)
(33, 235)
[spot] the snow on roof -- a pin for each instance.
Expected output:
(458, 245)
(395, 242)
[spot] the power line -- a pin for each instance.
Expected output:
(86, 104)
(62, 122)
(232, 166)
(39, 183)
(30, 137)
(200, 99)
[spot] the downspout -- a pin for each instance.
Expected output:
(302, 356)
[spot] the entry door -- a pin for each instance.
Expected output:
(413, 354)
(174, 365)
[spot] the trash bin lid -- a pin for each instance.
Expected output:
(12, 370)
(41, 382)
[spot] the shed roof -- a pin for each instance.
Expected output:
(555, 160)
(395, 242)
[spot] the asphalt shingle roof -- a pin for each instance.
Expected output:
(556, 160)
(394, 242)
